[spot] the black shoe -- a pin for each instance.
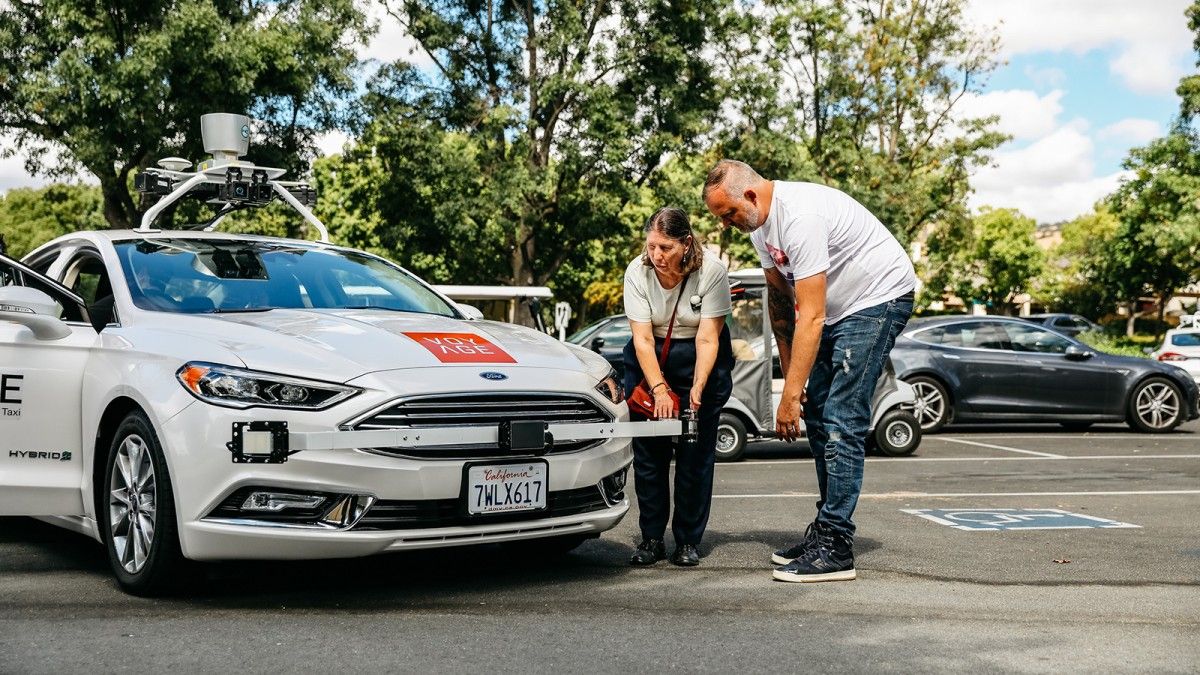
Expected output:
(648, 552)
(686, 555)
(787, 555)
(830, 559)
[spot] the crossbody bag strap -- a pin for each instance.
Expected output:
(662, 358)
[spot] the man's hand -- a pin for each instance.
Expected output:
(789, 414)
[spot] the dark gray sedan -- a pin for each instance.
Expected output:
(995, 369)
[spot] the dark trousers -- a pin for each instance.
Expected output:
(693, 462)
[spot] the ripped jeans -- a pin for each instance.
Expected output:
(837, 415)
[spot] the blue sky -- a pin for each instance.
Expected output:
(1081, 82)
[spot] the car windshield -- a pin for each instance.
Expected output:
(204, 276)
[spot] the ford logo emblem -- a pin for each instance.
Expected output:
(493, 375)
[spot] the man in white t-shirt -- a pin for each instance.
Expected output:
(840, 289)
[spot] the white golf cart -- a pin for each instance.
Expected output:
(758, 383)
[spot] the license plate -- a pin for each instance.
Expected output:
(506, 488)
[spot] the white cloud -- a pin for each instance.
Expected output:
(1050, 180)
(331, 142)
(392, 42)
(1023, 114)
(1046, 77)
(1132, 130)
(1152, 39)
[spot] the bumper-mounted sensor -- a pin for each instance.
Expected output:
(260, 443)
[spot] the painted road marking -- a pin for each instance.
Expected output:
(1001, 447)
(905, 460)
(1082, 437)
(991, 519)
(916, 495)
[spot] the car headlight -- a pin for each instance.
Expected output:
(611, 387)
(240, 388)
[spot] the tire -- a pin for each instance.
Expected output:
(898, 433)
(546, 548)
(731, 438)
(932, 408)
(1076, 426)
(157, 568)
(1155, 406)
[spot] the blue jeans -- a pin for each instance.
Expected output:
(837, 415)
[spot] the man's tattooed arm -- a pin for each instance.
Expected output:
(781, 306)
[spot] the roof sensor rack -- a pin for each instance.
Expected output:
(226, 180)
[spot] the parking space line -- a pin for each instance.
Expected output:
(997, 447)
(921, 495)
(906, 460)
(1091, 437)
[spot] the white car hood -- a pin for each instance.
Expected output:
(340, 345)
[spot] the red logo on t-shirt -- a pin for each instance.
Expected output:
(778, 256)
(461, 348)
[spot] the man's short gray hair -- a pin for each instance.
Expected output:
(731, 174)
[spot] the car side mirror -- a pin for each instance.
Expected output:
(101, 312)
(33, 309)
(470, 311)
(1077, 353)
(597, 343)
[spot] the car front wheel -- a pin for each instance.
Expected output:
(1155, 406)
(138, 510)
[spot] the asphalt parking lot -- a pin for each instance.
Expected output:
(937, 590)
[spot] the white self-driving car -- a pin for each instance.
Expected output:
(211, 396)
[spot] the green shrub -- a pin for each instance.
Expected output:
(1113, 344)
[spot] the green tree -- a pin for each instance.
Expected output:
(1156, 249)
(111, 87)
(1074, 278)
(540, 124)
(999, 260)
(866, 93)
(29, 217)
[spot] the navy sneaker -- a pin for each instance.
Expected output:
(786, 555)
(830, 559)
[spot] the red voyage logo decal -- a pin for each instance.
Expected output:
(461, 348)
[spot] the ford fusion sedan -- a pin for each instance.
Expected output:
(995, 369)
(211, 396)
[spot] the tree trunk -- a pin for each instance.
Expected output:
(119, 209)
(1163, 299)
(522, 274)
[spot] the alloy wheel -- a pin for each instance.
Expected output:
(898, 433)
(930, 406)
(131, 503)
(1157, 405)
(727, 438)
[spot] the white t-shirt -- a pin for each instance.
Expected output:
(812, 228)
(706, 296)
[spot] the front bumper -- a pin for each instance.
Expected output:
(328, 460)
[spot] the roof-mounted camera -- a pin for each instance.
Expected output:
(224, 180)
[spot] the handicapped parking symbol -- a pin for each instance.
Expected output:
(1015, 519)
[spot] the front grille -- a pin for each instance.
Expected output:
(416, 514)
(483, 410)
